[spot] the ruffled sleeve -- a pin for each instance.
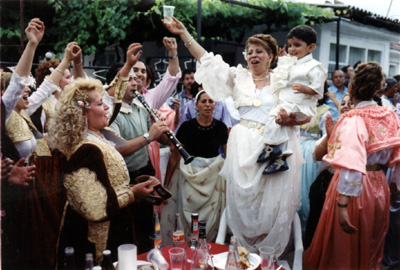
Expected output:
(347, 145)
(280, 75)
(38, 97)
(216, 76)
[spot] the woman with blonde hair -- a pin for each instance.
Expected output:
(97, 216)
(355, 216)
(260, 208)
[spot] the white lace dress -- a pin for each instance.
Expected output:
(260, 209)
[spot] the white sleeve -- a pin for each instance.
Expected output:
(41, 94)
(13, 93)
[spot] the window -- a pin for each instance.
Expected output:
(355, 55)
(342, 53)
(374, 56)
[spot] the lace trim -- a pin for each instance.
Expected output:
(86, 194)
(98, 234)
(204, 128)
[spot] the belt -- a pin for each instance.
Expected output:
(253, 124)
(374, 167)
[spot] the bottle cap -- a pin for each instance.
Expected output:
(202, 224)
(106, 252)
(69, 250)
(195, 215)
(89, 256)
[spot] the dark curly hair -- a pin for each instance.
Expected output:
(44, 69)
(368, 78)
(268, 43)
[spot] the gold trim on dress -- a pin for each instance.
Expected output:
(17, 128)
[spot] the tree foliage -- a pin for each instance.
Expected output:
(96, 24)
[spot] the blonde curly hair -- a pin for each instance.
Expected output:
(68, 126)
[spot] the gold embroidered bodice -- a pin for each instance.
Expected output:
(87, 195)
(17, 128)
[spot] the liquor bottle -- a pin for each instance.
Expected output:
(178, 236)
(231, 262)
(89, 261)
(156, 237)
(193, 242)
(202, 258)
(69, 259)
(235, 247)
(107, 263)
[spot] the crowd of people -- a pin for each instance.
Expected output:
(86, 164)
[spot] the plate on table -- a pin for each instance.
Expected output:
(220, 260)
(141, 263)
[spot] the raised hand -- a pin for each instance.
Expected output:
(131, 57)
(76, 53)
(170, 44)
(35, 31)
(175, 26)
(282, 51)
(69, 51)
(329, 125)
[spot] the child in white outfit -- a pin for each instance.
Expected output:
(297, 83)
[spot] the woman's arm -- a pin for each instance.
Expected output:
(284, 119)
(77, 62)
(344, 220)
(172, 164)
(176, 27)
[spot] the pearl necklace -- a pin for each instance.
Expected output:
(266, 77)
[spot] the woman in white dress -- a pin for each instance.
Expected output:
(260, 209)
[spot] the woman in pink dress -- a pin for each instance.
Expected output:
(355, 217)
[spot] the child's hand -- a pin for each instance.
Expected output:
(299, 88)
(331, 95)
(282, 51)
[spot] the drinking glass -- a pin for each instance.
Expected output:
(268, 260)
(169, 12)
(177, 258)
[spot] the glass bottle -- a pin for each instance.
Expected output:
(89, 261)
(202, 258)
(193, 243)
(235, 247)
(156, 237)
(69, 258)
(231, 262)
(97, 267)
(178, 236)
(107, 263)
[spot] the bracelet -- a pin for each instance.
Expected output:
(342, 205)
(59, 70)
(173, 57)
(189, 42)
(80, 63)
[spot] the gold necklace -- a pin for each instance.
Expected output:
(266, 77)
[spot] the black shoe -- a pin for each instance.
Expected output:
(278, 165)
(268, 153)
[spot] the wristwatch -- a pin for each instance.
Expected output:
(147, 137)
(173, 57)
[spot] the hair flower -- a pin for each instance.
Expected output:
(80, 103)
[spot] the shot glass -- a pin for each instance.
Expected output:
(168, 13)
(177, 258)
(155, 257)
(268, 261)
(127, 257)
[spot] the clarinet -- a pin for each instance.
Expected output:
(171, 136)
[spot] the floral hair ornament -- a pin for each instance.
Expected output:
(81, 99)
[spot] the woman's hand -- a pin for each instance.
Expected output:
(21, 175)
(77, 54)
(174, 26)
(35, 31)
(329, 125)
(6, 166)
(284, 119)
(176, 104)
(344, 220)
(69, 51)
(142, 190)
(171, 45)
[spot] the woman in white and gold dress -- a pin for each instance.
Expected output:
(260, 209)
